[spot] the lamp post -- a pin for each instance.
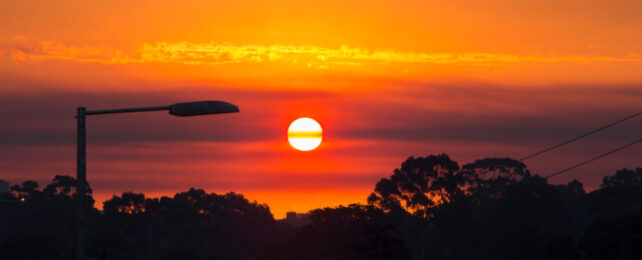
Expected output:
(179, 109)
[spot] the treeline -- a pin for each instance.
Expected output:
(429, 208)
(191, 225)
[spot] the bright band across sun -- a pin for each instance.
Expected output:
(305, 134)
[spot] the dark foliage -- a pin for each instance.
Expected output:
(352, 232)
(191, 225)
(616, 236)
(429, 208)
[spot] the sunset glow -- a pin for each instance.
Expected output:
(385, 79)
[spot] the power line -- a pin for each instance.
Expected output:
(580, 137)
(593, 159)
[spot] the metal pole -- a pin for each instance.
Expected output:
(126, 110)
(81, 178)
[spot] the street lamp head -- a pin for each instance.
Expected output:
(202, 108)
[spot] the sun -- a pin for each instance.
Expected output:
(305, 134)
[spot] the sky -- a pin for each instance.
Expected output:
(385, 79)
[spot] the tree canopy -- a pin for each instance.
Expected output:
(429, 208)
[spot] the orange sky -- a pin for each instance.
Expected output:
(385, 79)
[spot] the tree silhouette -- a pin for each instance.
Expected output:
(576, 187)
(418, 185)
(65, 186)
(127, 203)
(620, 193)
(194, 223)
(44, 221)
(429, 208)
(26, 189)
(345, 232)
(489, 176)
(422, 183)
(624, 177)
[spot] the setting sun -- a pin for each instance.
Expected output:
(305, 134)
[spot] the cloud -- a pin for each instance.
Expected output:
(215, 53)
(410, 113)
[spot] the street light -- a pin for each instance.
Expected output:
(179, 109)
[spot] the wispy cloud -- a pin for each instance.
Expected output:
(213, 53)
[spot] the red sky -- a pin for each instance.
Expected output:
(385, 79)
